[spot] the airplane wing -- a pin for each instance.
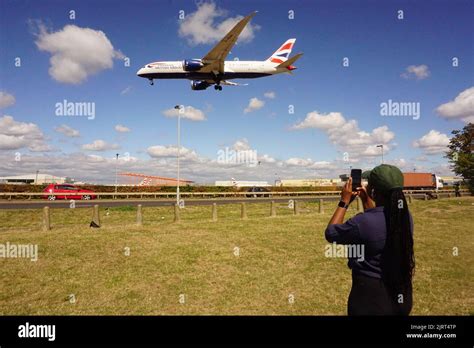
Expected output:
(214, 59)
(225, 83)
(229, 83)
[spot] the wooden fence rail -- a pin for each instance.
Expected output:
(156, 195)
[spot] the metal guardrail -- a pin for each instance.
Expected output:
(155, 195)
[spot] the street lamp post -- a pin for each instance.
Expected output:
(178, 107)
(116, 163)
(381, 146)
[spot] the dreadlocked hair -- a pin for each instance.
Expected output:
(398, 259)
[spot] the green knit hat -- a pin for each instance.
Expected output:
(385, 177)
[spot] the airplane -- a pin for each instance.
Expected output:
(214, 70)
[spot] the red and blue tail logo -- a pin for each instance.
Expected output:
(281, 55)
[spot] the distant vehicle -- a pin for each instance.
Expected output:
(411, 181)
(257, 189)
(422, 181)
(53, 192)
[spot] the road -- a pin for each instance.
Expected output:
(22, 204)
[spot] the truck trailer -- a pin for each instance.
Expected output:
(422, 181)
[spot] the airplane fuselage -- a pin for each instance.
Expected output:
(212, 69)
(232, 70)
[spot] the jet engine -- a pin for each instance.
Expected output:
(199, 85)
(192, 64)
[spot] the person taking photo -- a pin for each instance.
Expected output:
(382, 279)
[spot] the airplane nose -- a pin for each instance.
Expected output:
(140, 72)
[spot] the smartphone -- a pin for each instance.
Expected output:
(356, 175)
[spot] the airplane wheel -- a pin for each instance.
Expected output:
(216, 87)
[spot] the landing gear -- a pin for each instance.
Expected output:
(151, 82)
(218, 87)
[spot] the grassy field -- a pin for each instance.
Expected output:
(262, 265)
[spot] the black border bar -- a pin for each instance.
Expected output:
(260, 330)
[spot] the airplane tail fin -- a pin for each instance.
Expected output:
(281, 55)
(287, 64)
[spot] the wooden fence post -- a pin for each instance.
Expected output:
(46, 219)
(177, 218)
(214, 212)
(296, 211)
(96, 216)
(139, 215)
(273, 212)
(243, 211)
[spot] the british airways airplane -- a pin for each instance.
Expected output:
(214, 70)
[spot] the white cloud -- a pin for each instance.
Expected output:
(401, 163)
(309, 164)
(322, 165)
(76, 52)
(9, 126)
(254, 104)
(200, 28)
(346, 133)
(408, 166)
(269, 95)
(67, 131)
(295, 161)
(266, 159)
(241, 145)
(160, 151)
(99, 145)
(418, 72)
(244, 145)
(321, 121)
(122, 129)
(10, 142)
(6, 100)
(187, 112)
(462, 107)
(433, 142)
(15, 135)
(374, 151)
(442, 170)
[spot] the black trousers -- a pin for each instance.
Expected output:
(369, 296)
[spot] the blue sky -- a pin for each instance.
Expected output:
(380, 48)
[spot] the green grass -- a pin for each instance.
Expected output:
(196, 258)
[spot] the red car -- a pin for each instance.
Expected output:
(74, 192)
